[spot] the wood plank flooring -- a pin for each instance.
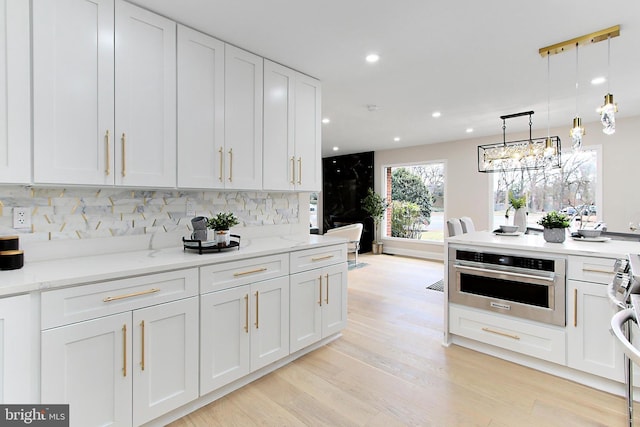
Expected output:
(390, 369)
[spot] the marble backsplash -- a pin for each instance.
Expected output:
(80, 213)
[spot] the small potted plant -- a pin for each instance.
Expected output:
(221, 224)
(375, 206)
(519, 205)
(555, 225)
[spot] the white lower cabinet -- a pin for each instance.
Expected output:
(318, 304)
(590, 345)
(242, 329)
(15, 349)
(129, 367)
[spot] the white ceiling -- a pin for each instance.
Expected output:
(472, 60)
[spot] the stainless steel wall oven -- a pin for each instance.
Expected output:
(526, 286)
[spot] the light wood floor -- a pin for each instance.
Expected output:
(390, 369)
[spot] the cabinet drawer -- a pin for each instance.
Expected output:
(70, 305)
(590, 269)
(230, 274)
(308, 259)
(539, 341)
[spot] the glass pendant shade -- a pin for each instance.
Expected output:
(607, 115)
(577, 132)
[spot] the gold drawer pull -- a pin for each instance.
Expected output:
(230, 164)
(244, 273)
(257, 310)
(246, 313)
(515, 337)
(221, 164)
(293, 170)
(107, 138)
(124, 154)
(320, 287)
(299, 170)
(124, 350)
(135, 294)
(320, 258)
(142, 344)
(597, 270)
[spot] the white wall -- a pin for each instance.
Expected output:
(467, 190)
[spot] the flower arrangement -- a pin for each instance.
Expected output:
(554, 219)
(222, 221)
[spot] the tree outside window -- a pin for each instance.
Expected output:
(417, 200)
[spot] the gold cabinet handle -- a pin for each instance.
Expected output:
(597, 270)
(107, 138)
(515, 337)
(220, 152)
(124, 350)
(244, 273)
(257, 311)
(293, 170)
(230, 164)
(246, 313)
(142, 343)
(327, 298)
(299, 170)
(320, 258)
(124, 154)
(134, 294)
(320, 287)
(575, 308)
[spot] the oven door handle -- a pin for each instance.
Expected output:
(495, 273)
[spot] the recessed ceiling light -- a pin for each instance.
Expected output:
(335, 148)
(469, 130)
(326, 120)
(598, 80)
(436, 114)
(396, 139)
(373, 57)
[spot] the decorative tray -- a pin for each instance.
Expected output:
(590, 239)
(210, 245)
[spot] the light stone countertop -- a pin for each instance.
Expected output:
(42, 275)
(536, 243)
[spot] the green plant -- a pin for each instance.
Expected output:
(515, 203)
(405, 220)
(222, 221)
(554, 220)
(375, 206)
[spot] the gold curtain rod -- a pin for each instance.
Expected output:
(596, 37)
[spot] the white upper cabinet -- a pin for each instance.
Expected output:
(73, 81)
(145, 98)
(292, 139)
(15, 113)
(94, 125)
(242, 150)
(200, 110)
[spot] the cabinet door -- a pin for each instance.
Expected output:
(334, 315)
(305, 309)
(88, 366)
(15, 350)
(15, 92)
(224, 342)
(279, 156)
(591, 347)
(269, 321)
(200, 110)
(73, 77)
(308, 137)
(243, 119)
(165, 358)
(145, 97)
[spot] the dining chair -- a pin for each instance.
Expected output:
(454, 227)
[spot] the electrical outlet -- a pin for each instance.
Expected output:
(191, 209)
(21, 218)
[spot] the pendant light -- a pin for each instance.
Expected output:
(608, 110)
(577, 130)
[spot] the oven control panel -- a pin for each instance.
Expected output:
(528, 263)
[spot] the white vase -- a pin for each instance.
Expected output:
(520, 219)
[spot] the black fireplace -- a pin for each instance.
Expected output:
(345, 183)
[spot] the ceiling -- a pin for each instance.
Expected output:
(471, 60)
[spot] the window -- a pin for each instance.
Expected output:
(572, 189)
(416, 196)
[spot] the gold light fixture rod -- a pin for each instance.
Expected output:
(596, 37)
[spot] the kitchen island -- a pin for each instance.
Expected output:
(144, 337)
(558, 324)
